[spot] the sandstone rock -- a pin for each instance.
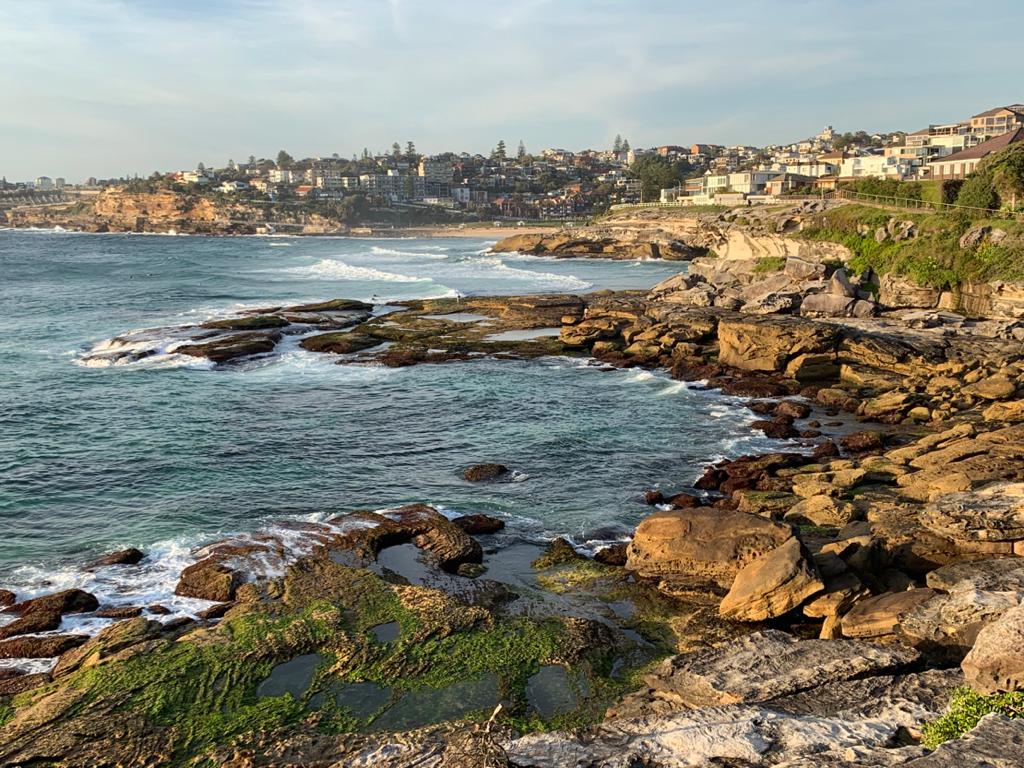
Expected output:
(772, 585)
(613, 554)
(995, 662)
(889, 408)
(339, 343)
(1011, 411)
(130, 556)
(479, 473)
(992, 388)
(998, 574)
(209, 579)
(949, 624)
(809, 368)
(879, 616)
(771, 504)
(39, 646)
(897, 292)
(448, 544)
(768, 344)
(860, 442)
(994, 513)
(821, 510)
(119, 612)
(110, 640)
(761, 667)
(973, 236)
(701, 545)
(7, 598)
(67, 601)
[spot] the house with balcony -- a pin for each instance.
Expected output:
(998, 121)
(960, 164)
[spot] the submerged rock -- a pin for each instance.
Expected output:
(129, 556)
(480, 473)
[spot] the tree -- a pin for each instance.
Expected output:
(657, 173)
(252, 159)
(410, 151)
(1007, 168)
(521, 152)
(617, 144)
(396, 150)
(499, 151)
(284, 160)
(625, 145)
(200, 169)
(366, 153)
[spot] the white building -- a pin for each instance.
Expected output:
(280, 176)
(876, 167)
(44, 183)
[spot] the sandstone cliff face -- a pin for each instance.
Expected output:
(165, 207)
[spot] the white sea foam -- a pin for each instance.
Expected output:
(334, 269)
(426, 252)
(549, 279)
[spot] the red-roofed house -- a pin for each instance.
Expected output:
(959, 164)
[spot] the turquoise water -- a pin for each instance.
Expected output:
(164, 456)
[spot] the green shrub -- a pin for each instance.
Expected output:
(978, 191)
(965, 709)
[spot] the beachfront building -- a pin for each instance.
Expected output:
(876, 167)
(44, 184)
(995, 122)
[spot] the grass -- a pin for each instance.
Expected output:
(932, 258)
(965, 709)
(767, 264)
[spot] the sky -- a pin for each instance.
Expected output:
(120, 87)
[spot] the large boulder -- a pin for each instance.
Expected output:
(996, 663)
(702, 546)
(948, 624)
(898, 292)
(772, 585)
(769, 343)
(879, 616)
(43, 614)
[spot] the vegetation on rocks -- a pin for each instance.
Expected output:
(966, 708)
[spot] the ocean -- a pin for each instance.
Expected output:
(168, 453)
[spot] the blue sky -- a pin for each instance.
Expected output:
(108, 87)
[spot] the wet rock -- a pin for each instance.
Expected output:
(701, 545)
(7, 598)
(215, 611)
(683, 501)
(793, 409)
(614, 554)
(120, 612)
(339, 343)
(881, 615)
(479, 524)
(995, 662)
(558, 552)
(861, 442)
(772, 585)
(652, 498)
(246, 323)
(224, 349)
(209, 579)
(129, 556)
(16, 684)
(447, 543)
(39, 647)
(779, 428)
(43, 614)
(480, 473)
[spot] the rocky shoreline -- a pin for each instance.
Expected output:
(854, 603)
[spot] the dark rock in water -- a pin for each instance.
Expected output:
(479, 524)
(653, 497)
(779, 428)
(793, 409)
(249, 323)
(825, 450)
(120, 612)
(41, 647)
(209, 579)
(215, 611)
(860, 442)
(471, 570)
(479, 473)
(44, 613)
(231, 347)
(67, 601)
(130, 556)
(6, 673)
(339, 343)
(158, 610)
(21, 683)
(683, 501)
(334, 305)
(7, 598)
(615, 554)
